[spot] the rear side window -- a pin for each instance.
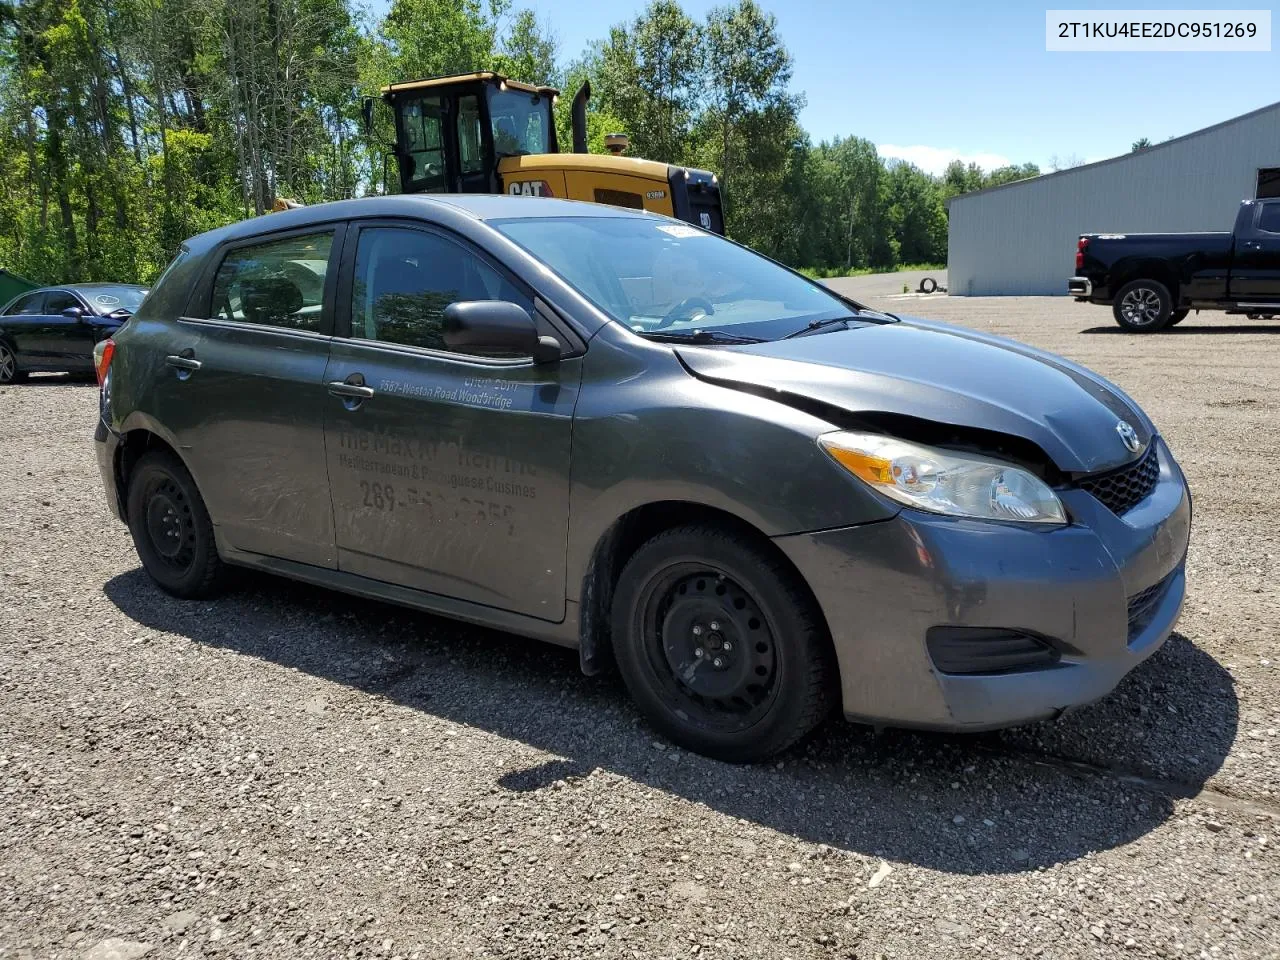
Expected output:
(1269, 218)
(275, 284)
(405, 278)
(26, 306)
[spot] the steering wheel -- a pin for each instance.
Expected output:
(688, 303)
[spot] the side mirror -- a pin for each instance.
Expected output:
(496, 327)
(73, 313)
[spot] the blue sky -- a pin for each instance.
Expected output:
(932, 80)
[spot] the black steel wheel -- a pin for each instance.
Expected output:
(721, 645)
(1142, 306)
(171, 528)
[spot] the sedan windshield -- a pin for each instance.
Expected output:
(122, 299)
(672, 281)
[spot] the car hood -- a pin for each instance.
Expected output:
(945, 374)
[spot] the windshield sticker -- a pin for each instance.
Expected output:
(106, 300)
(680, 230)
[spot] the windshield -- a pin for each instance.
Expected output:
(665, 278)
(521, 122)
(107, 300)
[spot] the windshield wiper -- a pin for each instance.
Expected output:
(699, 336)
(818, 325)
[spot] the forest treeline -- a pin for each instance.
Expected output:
(129, 125)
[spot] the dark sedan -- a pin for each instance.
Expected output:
(56, 328)
(621, 433)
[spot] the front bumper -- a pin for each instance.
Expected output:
(883, 585)
(1080, 287)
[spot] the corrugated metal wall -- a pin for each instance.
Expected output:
(1020, 239)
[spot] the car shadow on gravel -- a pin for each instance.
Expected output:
(977, 804)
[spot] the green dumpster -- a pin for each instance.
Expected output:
(11, 285)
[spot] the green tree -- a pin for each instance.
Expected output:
(647, 75)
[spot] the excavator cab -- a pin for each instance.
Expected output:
(484, 133)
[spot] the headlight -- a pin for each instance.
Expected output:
(941, 481)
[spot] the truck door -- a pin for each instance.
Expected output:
(449, 472)
(1255, 267)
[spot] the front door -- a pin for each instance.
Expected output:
(449, 472)
(1255, 267)
(66, 341)
(241, 387)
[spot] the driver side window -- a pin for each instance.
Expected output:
(404, 279)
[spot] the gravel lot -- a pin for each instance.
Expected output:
(288, 773)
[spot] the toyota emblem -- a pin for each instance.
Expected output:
(1129, 436)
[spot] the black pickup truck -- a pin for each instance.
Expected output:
(1153, 280)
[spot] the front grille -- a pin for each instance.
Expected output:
(1121, 490)
(1143, 605)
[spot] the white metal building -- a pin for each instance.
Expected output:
(1020, 238)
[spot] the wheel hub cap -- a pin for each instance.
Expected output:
(716, 643)
(169, 525)
(1141, 306)
(7, 365)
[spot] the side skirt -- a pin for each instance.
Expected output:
(563, 634)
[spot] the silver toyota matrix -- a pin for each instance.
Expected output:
(620, 433)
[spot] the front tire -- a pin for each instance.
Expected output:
(721, 645)
(1142, 306)
(171, 528)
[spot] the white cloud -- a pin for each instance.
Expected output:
(935, 159)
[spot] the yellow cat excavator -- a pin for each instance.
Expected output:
(484, 133)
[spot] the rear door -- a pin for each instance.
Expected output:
(67, 341)
(451, 474)
(242, 390)
(1255, 268)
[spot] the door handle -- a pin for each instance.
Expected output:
(350, 391)
(184, 364)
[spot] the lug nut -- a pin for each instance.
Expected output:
(697, 629)
(717, 662)
(715, 624)
(699, 653)
(727, 646)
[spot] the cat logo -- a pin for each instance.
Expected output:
(530, 188)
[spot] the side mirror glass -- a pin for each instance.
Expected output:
(496, 327)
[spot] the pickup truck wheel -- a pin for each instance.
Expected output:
(1177, 317)
(1142, 306)
(720, 645)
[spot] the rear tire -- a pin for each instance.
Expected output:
(720, 645)
(1177, 317)
(9, 372)
(1142, 306)
(171, 528)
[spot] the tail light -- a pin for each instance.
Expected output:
(1081, 247)
(103, 351)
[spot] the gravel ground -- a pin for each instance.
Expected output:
(288, 773)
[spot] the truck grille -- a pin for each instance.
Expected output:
(1121, 490)
(1142, 606)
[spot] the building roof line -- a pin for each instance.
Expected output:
(1124, 156)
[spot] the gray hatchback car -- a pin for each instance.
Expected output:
(619, 433)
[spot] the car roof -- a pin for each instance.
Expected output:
(430, 207)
